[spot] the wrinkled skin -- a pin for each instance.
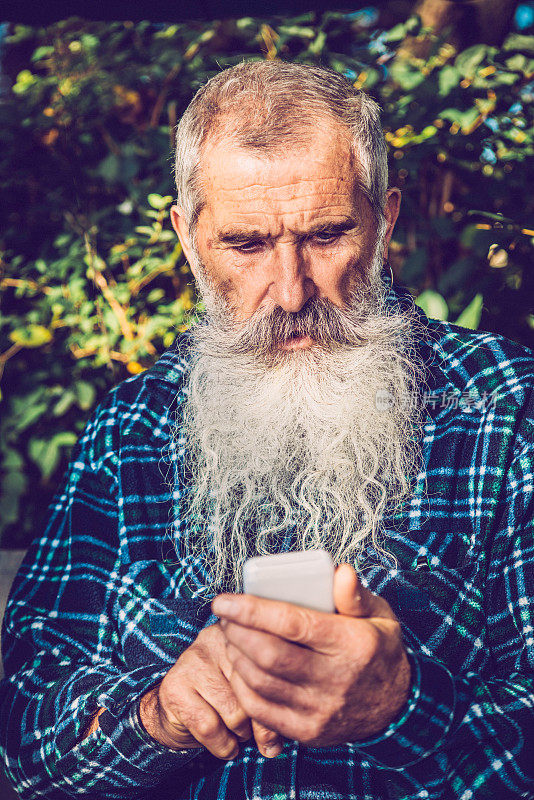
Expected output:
(274, 670)
(321, 679)
(195, 704)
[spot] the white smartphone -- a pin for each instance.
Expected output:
(305, 577)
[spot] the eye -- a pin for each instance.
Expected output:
(325, 237)
(249, 247)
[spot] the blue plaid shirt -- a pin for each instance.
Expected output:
(102, 606)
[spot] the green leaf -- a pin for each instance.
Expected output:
(158, 202)
(449, 77)
(317, 46)
(167, 33)
(12, 487)
(64, 403)
(47, 452)
(488, 215)
(468, 60)
(30, 415)
(86, 394)
(42, 52)
(517, 63)
(89, 41)
(25, 79)
(427, 133)
(65, 439)
(296, 30)
(507, 78)
(155, 296)
(110, 168)
(31, 336)
(403, 29)
(464, 118)
(12, 460)
(433, 304)
(470, 316)
(406, 75)
(516, 41)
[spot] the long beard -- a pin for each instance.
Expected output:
(298, 449)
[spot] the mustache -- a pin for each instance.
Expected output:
(325, 323)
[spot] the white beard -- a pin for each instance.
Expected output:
(288, 449)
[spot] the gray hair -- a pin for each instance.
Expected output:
(269, 106)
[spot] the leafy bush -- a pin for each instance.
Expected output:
(94, 284)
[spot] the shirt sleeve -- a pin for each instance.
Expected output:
(473, 737)
(61, 650)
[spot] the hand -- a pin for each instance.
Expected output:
(195, 704)
(321, 679)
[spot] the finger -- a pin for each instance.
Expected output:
(235, 719)
(271, 653)
(208, 673)
(353, 599)
(270, 687)
(270, 743)
(207, 727)
(312, 629)
(280, 719)
(218, 693)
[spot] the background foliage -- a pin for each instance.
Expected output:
(94, 285)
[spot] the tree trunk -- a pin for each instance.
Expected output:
(462, 22)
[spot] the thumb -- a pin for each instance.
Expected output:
(353, 599)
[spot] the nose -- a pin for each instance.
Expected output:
(290, 286)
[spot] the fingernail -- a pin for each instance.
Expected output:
(223, 605)
(272, 750)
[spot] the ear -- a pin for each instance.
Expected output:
(391, 211)
(181, 226)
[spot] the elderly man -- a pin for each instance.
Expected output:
(313, 406)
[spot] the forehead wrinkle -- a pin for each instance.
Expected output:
(300, 188)
(258, 193)
(257, 216)
(337, 211)
(325, 213)
(337, 205)
(245, 171)
(295, 182)
(332, 152)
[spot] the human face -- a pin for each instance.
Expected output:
(279, 231)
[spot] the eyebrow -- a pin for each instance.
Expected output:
(332, 227)
(239, 236)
